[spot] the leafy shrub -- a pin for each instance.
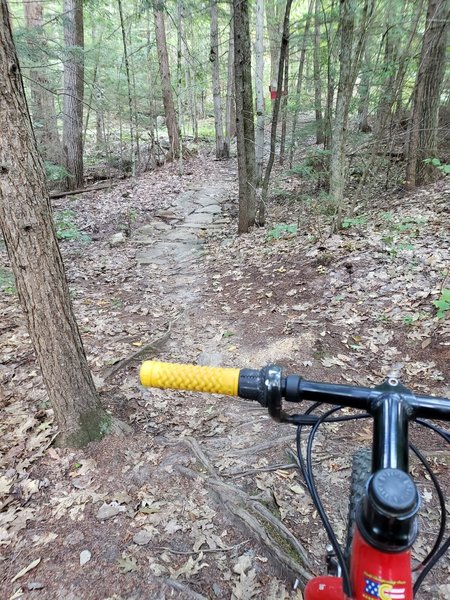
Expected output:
(443, 304)
(442, 167)
(352, 222)
(281, 230)
(66, 228)
(55, 173)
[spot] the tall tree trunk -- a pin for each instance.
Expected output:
(284, 105)
(164, 71)
(214, 60)
(331, 84)
(344, 92)
(364, 95)
(179, 83)
(259, 89)
(245, 128)
(424, 122)
(130, 100)
(27, 227)
(349, 64)
(73, 93)
(391, 50)
(317, 76)
(298, 89)
(274, 28)
(276, 109)
(230, 108)
(42, 99)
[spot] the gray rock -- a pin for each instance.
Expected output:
(142, 537)
(35, 585)
(117, 239)
(107, 511)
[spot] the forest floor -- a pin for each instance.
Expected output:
(203, 500)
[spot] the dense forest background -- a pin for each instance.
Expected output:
(122, 86)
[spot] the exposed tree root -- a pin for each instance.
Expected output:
(260, 447)
(154, 346)
(268, 469)
(286, 551)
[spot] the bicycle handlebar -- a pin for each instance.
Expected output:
(268, 386)
(215, 380)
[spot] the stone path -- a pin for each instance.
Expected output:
(177, 234)
(172, 244)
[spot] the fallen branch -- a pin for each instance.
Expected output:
(94, 188)
(154, 345)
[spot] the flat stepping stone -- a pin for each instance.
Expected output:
(200, 218)
(213, 209)
(182, 236)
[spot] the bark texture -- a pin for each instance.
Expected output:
(73, 93)
(424, 122)
(230, 105)
(42, 99)
(214, 59)
(317, 76)
(259, 89)
(344, 92)
(164, 71)
(275, 112)
(299, 85)
(245, 128)
(28, 230)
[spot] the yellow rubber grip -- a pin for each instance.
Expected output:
(189, 377)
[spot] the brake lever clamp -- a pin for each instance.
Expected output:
(273, 394)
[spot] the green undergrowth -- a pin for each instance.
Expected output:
(7, 283)
(66, 229)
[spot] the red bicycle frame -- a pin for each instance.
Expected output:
(375, 575)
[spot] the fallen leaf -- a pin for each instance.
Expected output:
(26, 569)
(243, 564)
(128, 564)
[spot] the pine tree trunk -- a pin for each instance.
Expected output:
(164, 71)
(364, 95)
(424, 122)
(274, 29)
(230, 109)
(73, 93)
(298, 89)
(130, 101)
(275, 111)
(28, 230)
(344, 92)
(244, 116)
(284, 105)
(214, 60)
(317, 77)
(42, 100)
(259, 89)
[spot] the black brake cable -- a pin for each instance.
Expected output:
(442, 507)
(309, 478)
(439, 553)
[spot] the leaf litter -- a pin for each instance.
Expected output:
(344, 308)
